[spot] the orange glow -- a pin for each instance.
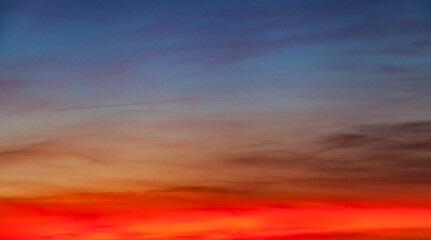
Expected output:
(215, 120)
(158, 216)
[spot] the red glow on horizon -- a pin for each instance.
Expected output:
(130, 217)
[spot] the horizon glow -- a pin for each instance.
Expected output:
(215, 120)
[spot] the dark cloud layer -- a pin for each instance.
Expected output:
(385, 156)
(394, 137)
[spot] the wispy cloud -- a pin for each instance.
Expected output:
(178, 100)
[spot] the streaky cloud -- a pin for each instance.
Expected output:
(178, 100)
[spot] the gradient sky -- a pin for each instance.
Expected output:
(233, 103)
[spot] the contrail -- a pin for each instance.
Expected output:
(130, 104)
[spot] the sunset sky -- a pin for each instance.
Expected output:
(215, 120)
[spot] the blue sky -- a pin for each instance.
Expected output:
(274, 74)
(95, 49)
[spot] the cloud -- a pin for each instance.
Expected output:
(179, 100)
(11, 85)
(17, 97)
(382, 156)
(270, 158)
(49, 152)
(389, 70)
(412, 49)
(383, 234)
(389, 51)
(201, 190)
(395, 137)
(218, 40)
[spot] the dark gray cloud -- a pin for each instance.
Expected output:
(385, 137)
(381, 154)
(387, 156)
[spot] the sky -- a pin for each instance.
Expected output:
(227, 120)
